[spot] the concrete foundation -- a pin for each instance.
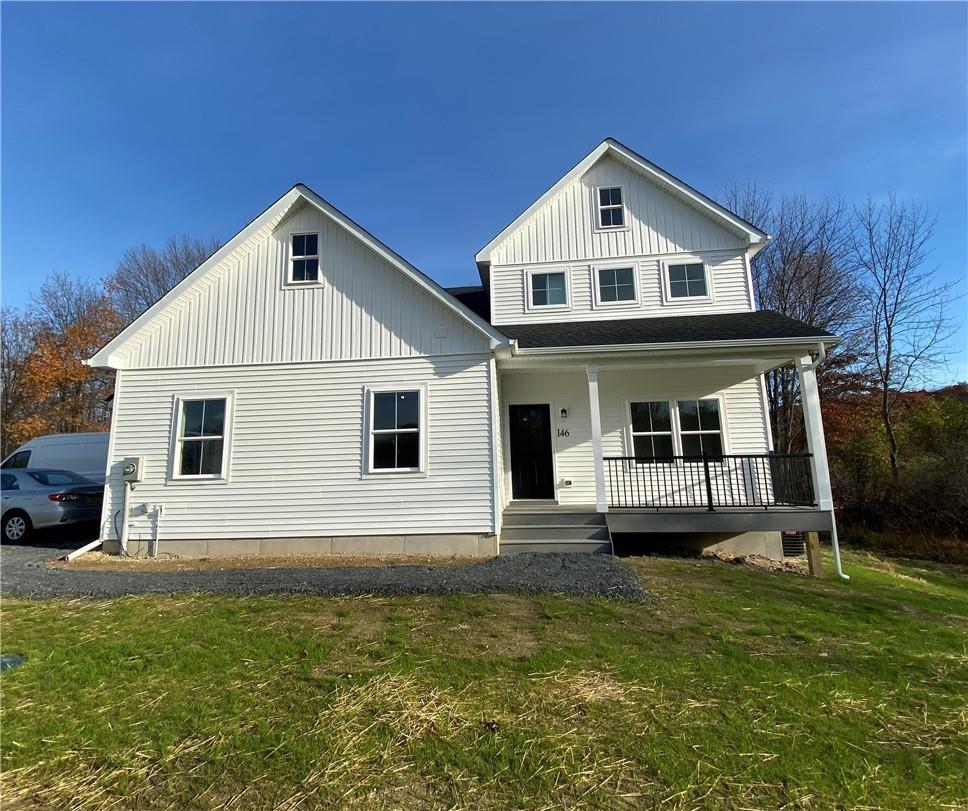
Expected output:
(482, 546)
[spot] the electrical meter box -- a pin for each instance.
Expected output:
(133, 468)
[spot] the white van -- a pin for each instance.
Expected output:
(85, 454)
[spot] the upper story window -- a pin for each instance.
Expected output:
(200, 442)
(611, 214)
(395, 431)
(616, 285)
(548, 289)
(304, 259)
(687, 280)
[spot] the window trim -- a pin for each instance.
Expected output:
(597, 285)
(667, 297)
(598, 208)
(291, 258)
(175, 447)
(676, 423)
(528, 290)
(422, 411)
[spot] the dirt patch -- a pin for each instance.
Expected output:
(795, 566)
(100, 562)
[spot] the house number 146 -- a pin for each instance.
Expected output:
(563, 432)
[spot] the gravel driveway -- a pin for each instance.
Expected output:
(23, 572)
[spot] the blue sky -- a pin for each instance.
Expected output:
(434, 125)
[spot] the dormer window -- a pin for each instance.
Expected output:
(688, 281)
(548, 289)
(611, 214)
(304, 259)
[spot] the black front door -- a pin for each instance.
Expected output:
(532, 471)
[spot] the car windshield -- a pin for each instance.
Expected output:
(57, 478)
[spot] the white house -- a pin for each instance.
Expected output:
(307, 389)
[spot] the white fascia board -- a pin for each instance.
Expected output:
(754, 235)
(422, 280)
(611, 349)
(106, 357)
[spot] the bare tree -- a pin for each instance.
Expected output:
(805, 272)
(903, 311)
(63, 300)
(144, 273)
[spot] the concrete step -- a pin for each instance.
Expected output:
(563, 519)
(538, 532)
(555, 545)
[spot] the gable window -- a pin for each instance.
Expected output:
(395, 428)
(687, 281)
(548, 289)
(652, 432)
(616, 284)
(304, 259)
(699, 428)
(200, 441)
(610, 211)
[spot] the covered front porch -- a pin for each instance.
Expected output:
(658, 442)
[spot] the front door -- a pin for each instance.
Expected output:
(532, 469)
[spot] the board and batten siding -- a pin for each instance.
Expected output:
(242, 312)
(564, 229)
(297, 453)
(727, 273)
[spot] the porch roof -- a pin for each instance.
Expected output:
(760, 325)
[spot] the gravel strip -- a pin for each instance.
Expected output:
(23, 572)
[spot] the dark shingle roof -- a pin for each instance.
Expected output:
(475, 298)
(751, 326)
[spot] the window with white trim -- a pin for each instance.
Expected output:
(700, 429)
(304, 259)
(201, 438)
(616, 284)
(687, 280)
(652, 432)
(611, 214)
(548, 289)
(395, 427)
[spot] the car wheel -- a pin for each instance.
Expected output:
(16, 527)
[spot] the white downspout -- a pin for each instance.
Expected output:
(817, 442)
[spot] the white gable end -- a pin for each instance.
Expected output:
(242, 311)
(564, 227)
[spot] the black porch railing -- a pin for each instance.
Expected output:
(733, 480)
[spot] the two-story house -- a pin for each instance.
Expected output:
(307, 389)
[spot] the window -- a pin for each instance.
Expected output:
(652, 432)
(304, 259)
(395, 431)
(687, 280)
(9, 482)
(699, 428)
(58, 478)
(18, 460)
(616, 284)
(610, 211)
(201, 438)
(548, 289)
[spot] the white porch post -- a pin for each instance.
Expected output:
(601, 502)
(817, 445)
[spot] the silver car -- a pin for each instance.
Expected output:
(35, 498)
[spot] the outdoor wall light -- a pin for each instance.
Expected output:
(564, 413)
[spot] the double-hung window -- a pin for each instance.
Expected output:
(548, 289)
(395, 441)
(304, 259)
(611, 214)
(700, 428)
(616, 284)
(687, 280)
(652, 432)
(200, 439)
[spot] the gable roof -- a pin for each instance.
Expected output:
(654, 173)
(758, 326)
(272, 216)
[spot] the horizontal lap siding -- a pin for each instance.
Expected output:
(728, 278)
(242, 313)
(297, 452)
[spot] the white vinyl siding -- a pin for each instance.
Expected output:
(657, 221)
(298, 452)
(727, 279)
(244, 312)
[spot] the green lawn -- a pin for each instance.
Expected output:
(736, 689)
